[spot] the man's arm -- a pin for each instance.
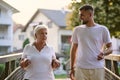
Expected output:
(73, 55)
(108, 50)
(73, 59)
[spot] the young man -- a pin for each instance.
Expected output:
(87, 43)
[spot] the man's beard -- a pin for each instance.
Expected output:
(84, 22)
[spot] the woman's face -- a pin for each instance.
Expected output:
(41, 35)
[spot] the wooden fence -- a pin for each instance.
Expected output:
(112, 68)
(11, 62)
(13, 71)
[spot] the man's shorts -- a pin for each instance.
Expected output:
(89, 74)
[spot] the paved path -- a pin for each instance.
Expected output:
(63, 79)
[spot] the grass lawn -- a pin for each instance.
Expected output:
(62, 76)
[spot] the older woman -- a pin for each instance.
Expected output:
(39, 58)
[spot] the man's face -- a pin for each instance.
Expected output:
(84, 16)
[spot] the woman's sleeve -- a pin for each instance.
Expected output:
(53, 53)
(24, 55)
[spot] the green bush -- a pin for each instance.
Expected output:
(2, 66)
(119, 69)
(26, 42)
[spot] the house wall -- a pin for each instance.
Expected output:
(18, 39)
(6, 24)
(53, 37)
(64, 46)
(116, 45)
(29, 33)
(5, 16)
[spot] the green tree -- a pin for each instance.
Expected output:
(107, 12)
(26, 42)
(112, 11)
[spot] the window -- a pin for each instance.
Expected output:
(21, 37)
(118, 48)
(0, 12)
(49, 24)
(3, 32)
(2, 37)
(66, 38)
(65, 43)
(3, 50)
(14, 49)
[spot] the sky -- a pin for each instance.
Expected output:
(28, 7)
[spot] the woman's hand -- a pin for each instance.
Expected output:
(25, 62)
(55, 63)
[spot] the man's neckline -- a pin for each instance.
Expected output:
(91, 26)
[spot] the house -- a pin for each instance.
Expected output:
(18, 37)
(58, 35)
(116, 45)
(6, 27)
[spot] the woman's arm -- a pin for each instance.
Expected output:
(55, 63)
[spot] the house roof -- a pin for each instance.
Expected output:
(17, 26)
(56, 16)
(6, 5)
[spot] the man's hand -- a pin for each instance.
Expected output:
(108, 50)
(100, 56)
(72, 73)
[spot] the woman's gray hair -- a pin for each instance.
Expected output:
(38, 27)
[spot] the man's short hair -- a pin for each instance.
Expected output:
(86, 7)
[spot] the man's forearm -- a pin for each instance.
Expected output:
(73, 56)
(108, 49)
